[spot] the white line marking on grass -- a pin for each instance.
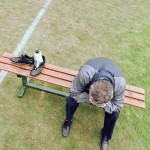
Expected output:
(27, 35)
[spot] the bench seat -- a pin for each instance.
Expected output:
(63, 77)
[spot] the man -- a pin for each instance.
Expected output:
(101, 83)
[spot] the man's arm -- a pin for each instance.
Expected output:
(79, 84)
(118, 100)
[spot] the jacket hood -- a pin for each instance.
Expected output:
(103, 75)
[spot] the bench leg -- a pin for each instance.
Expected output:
(26, 84)
(25, 81)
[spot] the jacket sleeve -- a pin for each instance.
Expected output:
(79, 84)
(118, 99)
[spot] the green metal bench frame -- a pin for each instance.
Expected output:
(26, 84)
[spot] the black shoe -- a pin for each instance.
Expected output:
(23, 59)
(37, 70)
(104, 142)
(66, 129)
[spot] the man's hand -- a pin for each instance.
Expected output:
(98, 105)
(101, 105)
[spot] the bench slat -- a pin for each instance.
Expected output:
(133, 102)
(48, 66)
(40, 77)
(134, 95)
(135, 89)
(47, 72)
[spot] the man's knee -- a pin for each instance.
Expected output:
(71, 102)
(114, 115)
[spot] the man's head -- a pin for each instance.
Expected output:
(101, 92)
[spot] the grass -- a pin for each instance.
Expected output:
(70, 33)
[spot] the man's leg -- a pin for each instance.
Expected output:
(109, 123)
(107, 131)
(71, 107)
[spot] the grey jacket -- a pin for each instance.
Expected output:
(99, 69)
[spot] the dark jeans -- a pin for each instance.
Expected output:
(109, 120)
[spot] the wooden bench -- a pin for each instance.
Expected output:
(61, 77)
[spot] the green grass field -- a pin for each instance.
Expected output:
(70, 33)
